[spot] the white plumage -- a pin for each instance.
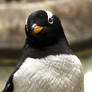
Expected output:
(60, 73)
(49, 14)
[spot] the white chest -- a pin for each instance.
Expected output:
(61, 73)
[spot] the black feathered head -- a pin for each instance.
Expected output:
(43, 28)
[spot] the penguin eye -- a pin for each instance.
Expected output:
(51, 20)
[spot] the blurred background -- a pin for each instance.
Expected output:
(76, 18)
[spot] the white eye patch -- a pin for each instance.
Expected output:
(50, 19)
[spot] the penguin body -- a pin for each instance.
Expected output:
(47, 63)
(50, 74)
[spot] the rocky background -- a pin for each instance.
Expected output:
(75, 15)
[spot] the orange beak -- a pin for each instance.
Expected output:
(38, 29)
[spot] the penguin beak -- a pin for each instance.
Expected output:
(37, 29)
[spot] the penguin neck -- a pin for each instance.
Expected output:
(61, 47)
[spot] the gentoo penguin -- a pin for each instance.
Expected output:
(47, 63)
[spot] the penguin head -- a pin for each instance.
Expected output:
(43, 28)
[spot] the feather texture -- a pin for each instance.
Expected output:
(60, 73)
